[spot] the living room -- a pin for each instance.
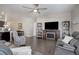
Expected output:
(24, 18)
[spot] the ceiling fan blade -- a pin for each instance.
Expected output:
(38, 12)
(27, 7)
(28, 12)
(31, 11)
(36, 5)
(42, 8)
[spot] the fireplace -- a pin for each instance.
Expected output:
(50, 35)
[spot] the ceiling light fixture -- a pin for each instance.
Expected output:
(35, 10)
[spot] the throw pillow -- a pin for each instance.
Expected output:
(67, 39)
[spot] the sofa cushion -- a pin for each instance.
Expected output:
(77, 51)
(76, 45)
(77, 37)
(74, 34)
(72, 42)
(61, 51)
(60, 43)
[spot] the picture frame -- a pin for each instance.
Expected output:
(19, 25)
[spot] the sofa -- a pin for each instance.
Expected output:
(72, 48)
(6, 48)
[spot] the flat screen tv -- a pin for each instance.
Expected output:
(51, 25)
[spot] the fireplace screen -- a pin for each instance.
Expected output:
(50, 35)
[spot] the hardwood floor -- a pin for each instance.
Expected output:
(45, 47)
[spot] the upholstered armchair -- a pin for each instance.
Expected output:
(18, 40)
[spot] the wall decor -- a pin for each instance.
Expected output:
(65, 28)
(19, 25)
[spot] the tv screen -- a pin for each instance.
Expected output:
(51, 25)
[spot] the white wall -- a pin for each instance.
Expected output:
(75, 19)
(55, 17)
(27, 24)
(13, 24)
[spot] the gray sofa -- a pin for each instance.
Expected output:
(72, 48)
(4, 50)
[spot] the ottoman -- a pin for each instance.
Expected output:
(26, 50)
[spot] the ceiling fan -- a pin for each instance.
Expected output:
(35, 9)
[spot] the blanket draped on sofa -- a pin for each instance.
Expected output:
(4, 50)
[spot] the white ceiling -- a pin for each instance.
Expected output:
(17, 10)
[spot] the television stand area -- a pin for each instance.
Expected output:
(51, 34)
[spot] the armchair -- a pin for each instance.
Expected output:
(18, 40)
